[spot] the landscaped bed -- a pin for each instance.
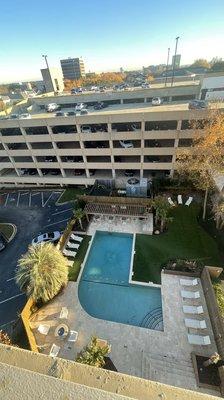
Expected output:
(71, 193)
(74, 270)
(7, 230)
(184, 239)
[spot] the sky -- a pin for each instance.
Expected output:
(108, 34)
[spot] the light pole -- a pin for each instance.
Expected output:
(167, 64)
(45, 57)
(174, 60)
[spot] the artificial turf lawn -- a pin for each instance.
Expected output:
(74, 270)
(184, 239)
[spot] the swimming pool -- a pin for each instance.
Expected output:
(104, 291)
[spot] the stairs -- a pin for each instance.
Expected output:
(153, 320)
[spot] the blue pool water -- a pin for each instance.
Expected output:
(104, 291)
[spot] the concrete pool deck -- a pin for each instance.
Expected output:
(160, 356)
(121, 224)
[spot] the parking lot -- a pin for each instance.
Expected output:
(33, 212)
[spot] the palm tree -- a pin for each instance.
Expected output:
(79, 214)
(161, 207)
(93, 354)
(42, 272)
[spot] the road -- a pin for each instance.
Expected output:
(32, 216)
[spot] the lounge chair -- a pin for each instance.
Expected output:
(189, 282)
(170, 201)
(199, 340)
(193, 310)
(189, 200)
(190, 295)
(73, 245)
(179, 199)
(70, 263)
(63, 313)
(54, 350)
(195, 323)
(73, 336)
(44, 329)
(77, 238)
(69, 253)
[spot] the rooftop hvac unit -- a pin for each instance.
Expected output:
(139, 189)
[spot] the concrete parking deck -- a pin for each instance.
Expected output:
(161, 356)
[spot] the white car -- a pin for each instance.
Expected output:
(134, 128)
(51, 107)
(127, 144)
(86, 129)
(156, 101)
(24, 116)
(47, 237)
(79, 106)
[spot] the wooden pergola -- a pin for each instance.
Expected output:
(122, 210)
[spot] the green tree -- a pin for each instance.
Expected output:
(161, 207)
(42, 272)
(201, 62)
(218, 67)
(79, 214)
(93, 354)
(4, 338)
(218, 212)
(204, 159)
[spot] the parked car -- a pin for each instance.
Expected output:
(197, 104)
(74, 91)
(45, 171)
(13, 116)
(55, 172)
(92, 172)
(133, 181)
(134, 127)
(79, 106)
(129, 172)
(23, 171)
(78, 172)
(156, 101)
(59, 114)
(47, 237)
(70, 113)
(145, 85)
(25, 116)
(126, 144)
(51, 107)
(86, 129)
(84, 111)
(32, 171)
(2, 242)
(99, 106)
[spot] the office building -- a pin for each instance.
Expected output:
(53, 79)
(73, 68)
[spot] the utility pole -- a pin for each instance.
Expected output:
(174, 60)
(45, 57)
(167, 64)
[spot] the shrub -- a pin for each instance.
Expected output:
(93, 354)
(185, 265)
(219, 297)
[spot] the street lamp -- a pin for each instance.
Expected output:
(45, 57)
(174, 60)
(167, 64)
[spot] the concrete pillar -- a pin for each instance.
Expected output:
(145, 99)
(122, 101)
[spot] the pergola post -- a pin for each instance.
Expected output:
(87, 216)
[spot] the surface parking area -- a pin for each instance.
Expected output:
(34, 213)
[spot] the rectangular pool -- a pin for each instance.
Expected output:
(104, 290)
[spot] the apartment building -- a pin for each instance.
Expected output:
(72, 150)
(72, 68)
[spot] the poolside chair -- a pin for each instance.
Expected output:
(77, 238)
(189, 200)
(44, 329)
(193, 310)
(63, 313)
(179, 199)
(190, 295)
(73, 245)
(195, 323)
(70, 263)
(54, 350)
(189, 282)
(69, 253)
(73, 336)
(170, 201)
(199, 340)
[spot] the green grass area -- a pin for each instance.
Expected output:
(184, 239)
(6, 230)
(70, 194)
(74, 270)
